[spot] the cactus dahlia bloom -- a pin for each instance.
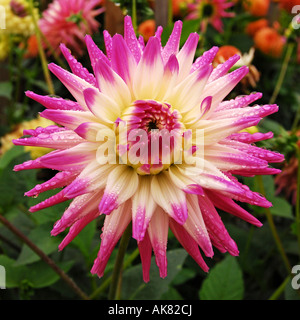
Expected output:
(150, 91)
(69, 21)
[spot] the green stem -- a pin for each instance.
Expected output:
(273, 227)
(53, 52)
(282, 73)
(44, 257)
(117, 272)
(170, 12)
(41, 50)
(107, 282)
(296, 121)
(280, 289)
(134, 15)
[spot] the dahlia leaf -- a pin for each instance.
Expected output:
(224, 282)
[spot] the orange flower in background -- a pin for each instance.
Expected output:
(224, 53)
(254, 26)
(228, 51)
(269, 41)
(257, 8)
(32, 47)
(147, 29)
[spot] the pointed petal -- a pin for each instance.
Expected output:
(239, 101)
(70, 159)
(95, 53)
(143, 207)
(228, 205)
(215, 226)
(77, 227)
(145, 250)
(73, 83)
(76, 66)
(114, 226)
(122, 60)
(108, 43)
(60, 180)
(68, 118)
(112, 85)
(223, 68)
(172, 45)
(78, 208)
(195, 225)
(169, 197)
(188, 243)
(158, 234)
(56, 140)
(54, 103)
(121, 185)
(130, 38)
(149, 73)
(92, 178)
(187, 94)
(103, 107)
(89, 130)
(186, 55)
(206, 59)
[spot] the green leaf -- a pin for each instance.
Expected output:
(183, 276)
(41, 275)
(13, 275)
(133, 286)
(38, 275)
(41, 237)
(9, 155)
(290, 293)
(281, 208)
(13, 184)
(6, 88)
(84, 240)
(224, 282)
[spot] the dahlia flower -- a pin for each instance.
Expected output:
(211, 11)
(69, 21)
(113, 159)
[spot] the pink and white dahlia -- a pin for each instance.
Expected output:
(211, 11)
(69, 21)
(150, 141)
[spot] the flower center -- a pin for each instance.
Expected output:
(76, 18)
(206, 10)
(149, 136)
